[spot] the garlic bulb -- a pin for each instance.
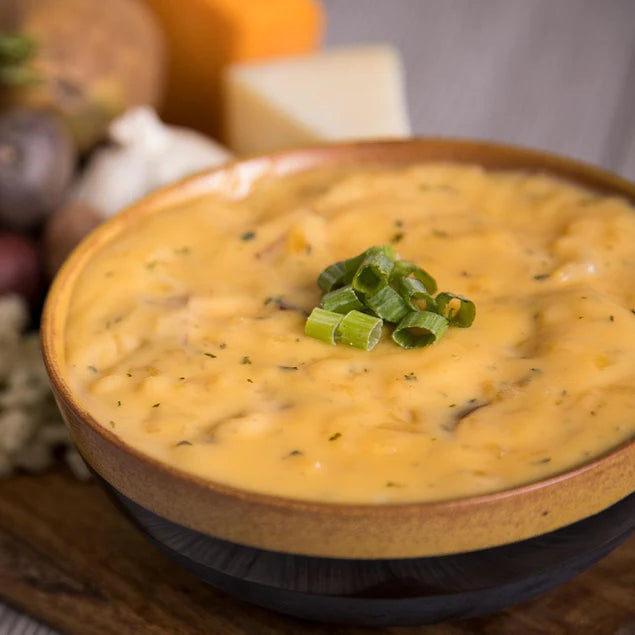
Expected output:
(145, 154)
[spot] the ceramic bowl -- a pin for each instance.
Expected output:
(364, 564)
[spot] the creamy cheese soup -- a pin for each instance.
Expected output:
(185, 335)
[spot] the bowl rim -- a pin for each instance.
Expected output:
(234, 178)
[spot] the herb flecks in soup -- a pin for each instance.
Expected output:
(185, 336)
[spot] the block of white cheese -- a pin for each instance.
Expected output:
(337, 94)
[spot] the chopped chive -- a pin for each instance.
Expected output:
(112, 424)
(245, 360)
(405, 269)
(341, 300)
(397, 291)
(128, 374)
(156, 405)
(288, 368)
(210, 355)
(335, 437)
(359, 330)
(295, 453)
(250, 235)
(118, 404)
(411, 290)
(92, 369)
(388, 251)
(334, 276)
(419, 329)
(410, 377)
(541, 276)
(322, 325)
(184, 442)
(374, 271)
(340, 273)
(397, 238)
(250, 381)
(461, 316)
(387, 304)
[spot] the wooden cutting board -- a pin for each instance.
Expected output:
(69, 558)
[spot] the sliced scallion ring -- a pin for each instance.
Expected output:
(405, 269)
(374, 270)
(419, 329)
(359, 330)
(339, 273)
(458, 310)
(374, 287)
(332, 277)
(387, 304)
(322, 325)
(341, 300)
(411, 290)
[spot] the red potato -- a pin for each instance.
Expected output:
(63, 230)
(19, 266)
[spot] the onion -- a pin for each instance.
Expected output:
(19, 266)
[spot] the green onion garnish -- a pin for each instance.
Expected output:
(405, 269)
(341, 300)
(374, 272)
(387, 304)
(458, 310)
(359, 330)
(412, 290)
(363, 292)
(322, 325)
(419, 329)
(339, 273)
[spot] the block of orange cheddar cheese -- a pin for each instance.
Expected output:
(206, 35)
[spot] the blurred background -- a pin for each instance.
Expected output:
(553, 75)
(103, 101)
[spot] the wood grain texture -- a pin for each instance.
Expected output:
(69, 558)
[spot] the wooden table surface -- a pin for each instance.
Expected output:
(69, 558)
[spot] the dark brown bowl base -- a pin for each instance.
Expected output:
(389, 592)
